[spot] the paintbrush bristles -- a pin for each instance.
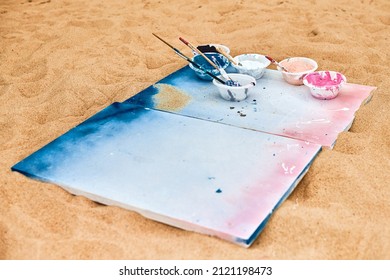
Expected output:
(199, 52)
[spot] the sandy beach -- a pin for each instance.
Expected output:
(63, 61)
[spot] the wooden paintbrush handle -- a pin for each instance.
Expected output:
(207, 59)
(228, 56)
(198, 51)
(190, 61)
(273, 61)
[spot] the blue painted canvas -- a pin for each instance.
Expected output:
(203, 176)
(180, 154)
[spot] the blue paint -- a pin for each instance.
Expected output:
(89, 132)
(221, 60)
(252, 238)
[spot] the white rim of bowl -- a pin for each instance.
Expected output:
(299, 73)
(196, 69)
(217, 53)
(236, 58)
(232, 75)
(220, 45)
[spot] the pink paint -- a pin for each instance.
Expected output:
(324, 85)
(338, 113)
(325, 79)
(265, 193)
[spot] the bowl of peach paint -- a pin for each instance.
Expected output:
(298, 68)
(324, 84)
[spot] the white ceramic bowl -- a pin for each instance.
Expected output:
(234, 93)
(252, 64)
(324, 84)
(294, 76)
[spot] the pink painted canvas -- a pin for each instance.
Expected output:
(274, 106)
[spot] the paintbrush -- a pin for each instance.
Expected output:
(199, 52)
(273, 61)
(228, 56)
(213, 63)
(189, 60)
(229, 81)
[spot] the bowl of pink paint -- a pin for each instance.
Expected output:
(324, 84)
(298, 68)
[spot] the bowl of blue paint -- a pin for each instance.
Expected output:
(240, 90)
(221, 61)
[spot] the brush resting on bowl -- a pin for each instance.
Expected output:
(236, 93)
(222, 61)
(252, 64)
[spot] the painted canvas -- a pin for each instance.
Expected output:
(203, 176)
(273, 107)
